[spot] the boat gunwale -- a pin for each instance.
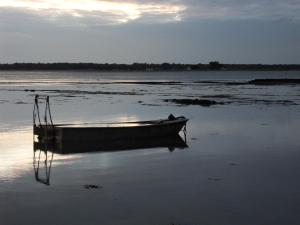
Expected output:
(156, 123)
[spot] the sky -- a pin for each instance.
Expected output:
(152, 31)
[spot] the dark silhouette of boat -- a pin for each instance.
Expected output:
(144, 130)
(114, 131)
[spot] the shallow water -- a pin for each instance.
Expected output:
(242, 165)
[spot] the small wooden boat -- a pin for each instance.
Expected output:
(149, 129)
(129, 130)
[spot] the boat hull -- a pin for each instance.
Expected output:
(160, 128)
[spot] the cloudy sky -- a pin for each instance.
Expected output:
(187, 31)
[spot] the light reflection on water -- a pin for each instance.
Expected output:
(16, 154)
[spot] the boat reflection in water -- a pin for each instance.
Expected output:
(46, 146)
(42, 162)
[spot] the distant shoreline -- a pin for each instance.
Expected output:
(146, 67)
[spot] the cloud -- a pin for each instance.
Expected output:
(246, 9)
(108, 11)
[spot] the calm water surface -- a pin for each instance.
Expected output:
(242, 165)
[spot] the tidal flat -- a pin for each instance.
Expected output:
(241, 164)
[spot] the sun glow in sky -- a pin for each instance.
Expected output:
(121, 10)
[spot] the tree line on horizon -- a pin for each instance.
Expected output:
(214, 65)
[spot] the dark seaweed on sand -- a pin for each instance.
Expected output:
(274, 81)
(201, 102)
